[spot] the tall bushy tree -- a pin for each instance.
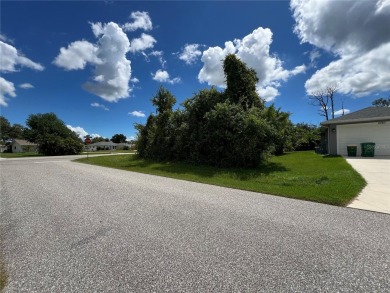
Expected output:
(229, 129)
(241, 83)
(381, 102)
(119, 138)
(52, 135)
(305, 136)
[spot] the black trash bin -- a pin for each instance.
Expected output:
(368, 149)
(352, 150)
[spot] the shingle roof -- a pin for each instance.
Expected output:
(103, 143)
(364, 115)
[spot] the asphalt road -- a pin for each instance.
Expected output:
(71, 227)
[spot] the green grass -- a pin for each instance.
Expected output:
(3, 274)
(301, 175)
(19, 155)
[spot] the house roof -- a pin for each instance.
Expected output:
(370, 114)
(104, 143)
(23, 142)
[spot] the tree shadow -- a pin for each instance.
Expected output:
(206, 171)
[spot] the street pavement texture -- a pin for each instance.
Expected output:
(72, 227)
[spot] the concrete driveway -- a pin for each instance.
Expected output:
(376, 195)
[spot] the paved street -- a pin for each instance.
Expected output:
(71, 227)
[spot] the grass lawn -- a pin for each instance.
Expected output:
(3, 276)
(19, 155)
(301, 175)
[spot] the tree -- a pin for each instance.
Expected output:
(381, 102)
(305, 137)
(241, 83)
(321, 98)
(5, 128)
(17, 131)
(52, 135)
(8, 131)
(229, 129)
(163, 100)
(97, 139)
(118, 138)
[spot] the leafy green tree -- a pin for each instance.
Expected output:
(5, 128)
(229, 129)
(8, 131)
(381, 102)
(52, 135)
(17, 131)
(118, 138)
(305, 136)
(97, 139)
(241, 83)
(283, 129)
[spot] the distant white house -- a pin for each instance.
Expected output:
(107, 146)
(22, 146)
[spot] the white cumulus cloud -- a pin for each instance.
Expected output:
(254, 50)
(79, 130)
(26, 86)
(137, 113)
(163, 76)
(141, 20)
(190, 53)
(77, 55)
(112, 70)
(7, 88)
(97, 105)
(340, 112)
(11, 58)
(357, 33)
(141, 44)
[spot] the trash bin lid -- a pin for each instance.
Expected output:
(352, 145)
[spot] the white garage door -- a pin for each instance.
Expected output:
(379, 133)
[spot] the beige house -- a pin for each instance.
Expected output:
(22, 146)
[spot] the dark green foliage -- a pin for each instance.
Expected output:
(228, 129)
(119, 138)
(8, 131)
(51, 145)
(241, 83)
(381, 102)
(305, 137)
(52, 135)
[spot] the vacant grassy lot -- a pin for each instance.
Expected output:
(301, 175)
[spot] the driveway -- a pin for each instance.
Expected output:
(376, 195)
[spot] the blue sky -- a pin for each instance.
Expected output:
(98, 64)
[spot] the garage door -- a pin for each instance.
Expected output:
(365, 132)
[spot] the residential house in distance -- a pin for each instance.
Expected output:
(22, 146)
(370, 124)
(107, 146)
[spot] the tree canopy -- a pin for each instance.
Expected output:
(232, 128)
(381, 102)
(119, 138)
(52, 135)
(8, 131)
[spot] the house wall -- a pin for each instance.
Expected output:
(376, 132)
(16, 148)
(332, 140)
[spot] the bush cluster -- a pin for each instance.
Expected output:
(228, 129)
(52, 135)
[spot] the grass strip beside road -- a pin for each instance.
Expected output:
(300, 175)
(19, 155)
